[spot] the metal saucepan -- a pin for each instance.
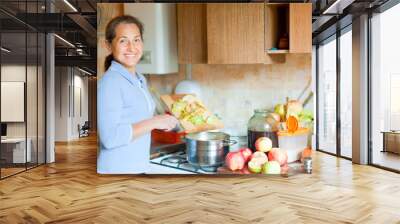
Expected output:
(207, 149)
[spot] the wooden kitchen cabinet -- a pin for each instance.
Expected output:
(235, 33)
(105, 12)
(300, 28)
(192, 33)
(241, 33)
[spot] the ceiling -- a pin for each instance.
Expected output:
(78, 26)
(332, 15)
(32, 17)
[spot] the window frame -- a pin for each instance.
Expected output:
(336, 36)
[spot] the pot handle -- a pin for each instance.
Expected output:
(229, 142)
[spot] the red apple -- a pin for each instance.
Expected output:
(234, 161)
(245, 170)
(259, 158)
(279, 155)
(263, 144)
(246, 153)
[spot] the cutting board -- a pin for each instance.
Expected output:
(285, 172)
(168, 100)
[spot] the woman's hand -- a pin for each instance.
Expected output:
(165, 122)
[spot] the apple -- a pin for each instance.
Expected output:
(254, 166)
(246, 153)
(234, 161)
(263, 144)
(259, 157)
(245, 170)
(271, 167)
(280, 110)
(279, 155)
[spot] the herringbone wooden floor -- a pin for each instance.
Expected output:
(70, 191)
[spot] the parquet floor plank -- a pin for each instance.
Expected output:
(70, 191)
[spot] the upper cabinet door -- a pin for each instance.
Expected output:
(192, 33)
(235, 33)
(300, 28)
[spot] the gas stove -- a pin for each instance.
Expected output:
(178, 160)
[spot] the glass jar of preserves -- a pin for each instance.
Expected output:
(262, 124)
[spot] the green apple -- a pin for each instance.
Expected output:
(254, 166)
(280, 109)
(271, 167)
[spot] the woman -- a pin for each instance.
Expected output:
(125, 106)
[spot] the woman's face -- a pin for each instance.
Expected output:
(127, 45)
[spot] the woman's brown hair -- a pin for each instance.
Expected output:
(110, 32)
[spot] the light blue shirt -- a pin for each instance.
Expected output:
(123, 99)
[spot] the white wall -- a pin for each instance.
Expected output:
(61, 103)
(69, 85)
(14, 73)
(79, 117)
(33, 127)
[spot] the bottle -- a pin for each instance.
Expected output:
(262, 124)
(307, 165)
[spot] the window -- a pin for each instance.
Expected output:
(22, 76)
(327, 96)
(385, 88)
(346, 93)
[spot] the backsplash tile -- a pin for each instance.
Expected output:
(234, 91)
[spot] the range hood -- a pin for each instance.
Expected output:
(160, 54)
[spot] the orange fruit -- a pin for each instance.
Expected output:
(292, 124)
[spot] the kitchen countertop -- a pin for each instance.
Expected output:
(160, 169)
(158, 150)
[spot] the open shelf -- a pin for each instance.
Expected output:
(280, 51)
(276, 25)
